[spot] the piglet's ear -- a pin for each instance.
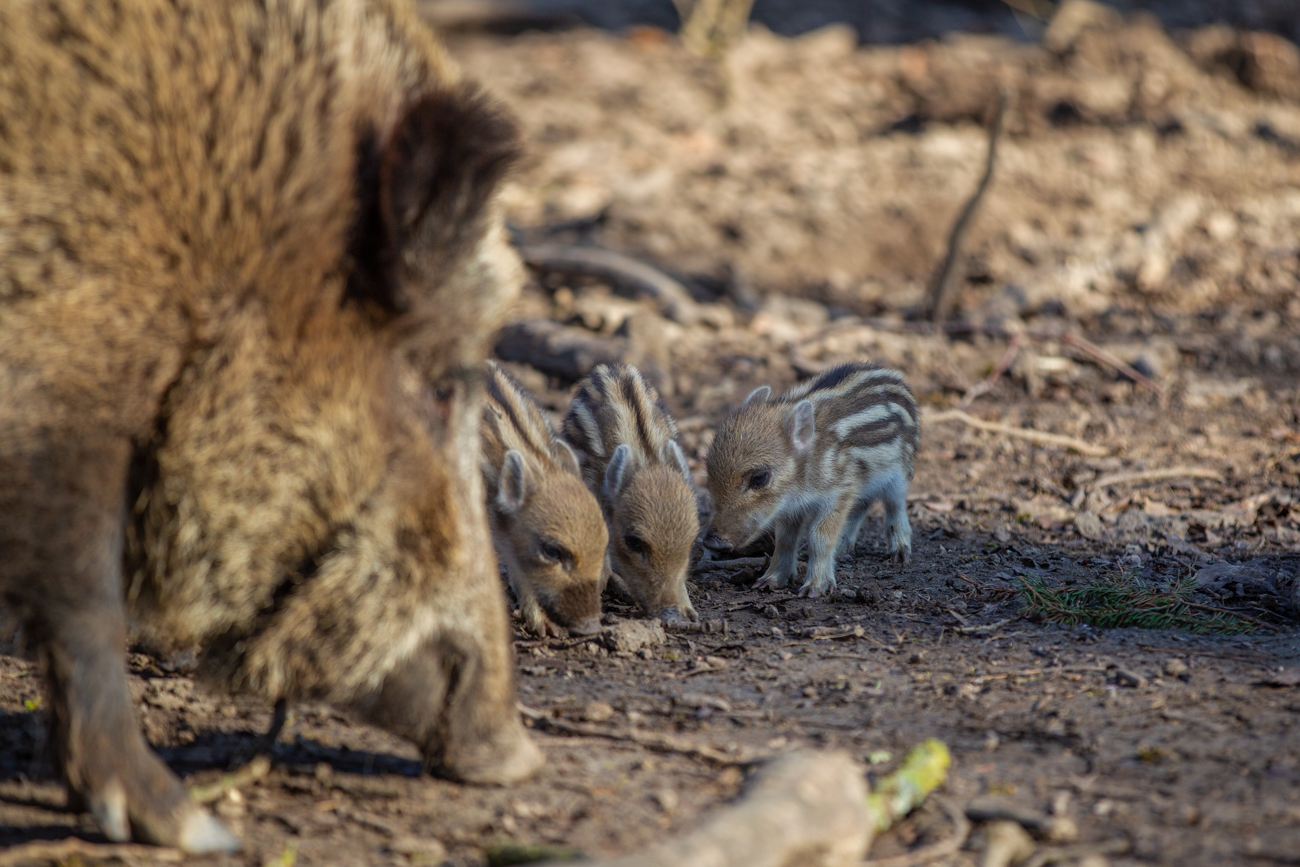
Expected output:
(426, 188)
(800, 425)
(677, 459)
(763, 392)
(616, 472)
(566, 456)
(513, 486)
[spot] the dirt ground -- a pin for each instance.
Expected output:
(1146, 198)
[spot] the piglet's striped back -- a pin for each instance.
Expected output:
(513, 420)
(862, 406)
(614, 406)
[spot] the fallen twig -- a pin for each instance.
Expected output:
(1109, 358)
(826, 633)
(255, 770)
(706, 626)
(1054, 829)
(945, 277)
(1077, 852)
(1006, 844)
(733, 565)
(626, 275)
(650, 740)
(559, 350)
(802, 808)
(983, 629)
(1052, 439)
(61, 851)
(1156, 475)
(935, 851)
(985, 385)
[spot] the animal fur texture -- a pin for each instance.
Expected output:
(251, 258)
(547, 526)
(627, 443)
(808, 464)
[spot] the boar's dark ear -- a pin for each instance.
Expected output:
(426, 188)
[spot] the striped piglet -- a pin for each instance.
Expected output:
(809, 463)
(627, 443)
(546, 526)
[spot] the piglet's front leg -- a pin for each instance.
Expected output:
(785, 557)
(898, 531)
(823, 541)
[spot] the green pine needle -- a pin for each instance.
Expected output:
(1126, 600)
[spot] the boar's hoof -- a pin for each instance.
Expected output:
(201, 833)
(195, 832)
(590, 626)
(506, 759)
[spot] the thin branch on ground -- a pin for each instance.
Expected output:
(986, 385)
(720, 626)
(734, 565)
(1110, 359)
(934, 851)
(946, 277)
(1040, 437)
(1156, 475)
(626, 275)
(649, 740)
(980, 630)
(1077, 852)
(69, 848)
(250, 773)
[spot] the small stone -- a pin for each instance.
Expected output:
(597, 711)
(421, 850)
(635, 636)
(1088, 524)
(1128, 678)
(1175, 668)
(666, 799)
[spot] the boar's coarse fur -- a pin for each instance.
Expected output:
(250, 260)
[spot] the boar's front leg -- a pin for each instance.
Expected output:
(445, 699)
(61, 540)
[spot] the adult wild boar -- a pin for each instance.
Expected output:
(250, 258)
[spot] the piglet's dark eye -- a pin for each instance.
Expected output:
(636, 544)
(551, 552)
(760, 480)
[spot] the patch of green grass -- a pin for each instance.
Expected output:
(1124, 599)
